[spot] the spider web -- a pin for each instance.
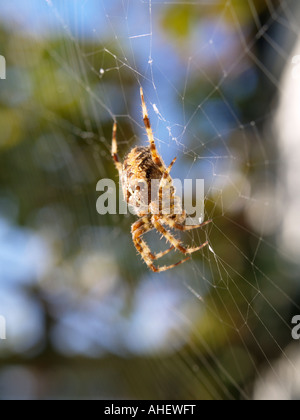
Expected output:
(219, 87)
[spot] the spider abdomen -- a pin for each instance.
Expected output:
(138, 172)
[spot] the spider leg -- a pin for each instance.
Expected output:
(154, 153)
(166, 177)
(114, 149)
(166, 173)
(168, 170)
(163, 253)
(168, 267)
(174, 241)
(173, 224)
(139, 228)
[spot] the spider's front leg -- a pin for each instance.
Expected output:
(155, 156)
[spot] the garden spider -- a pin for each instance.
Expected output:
(141, 166)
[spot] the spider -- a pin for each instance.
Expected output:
(141, 166)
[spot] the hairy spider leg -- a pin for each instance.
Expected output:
(174, 225)
(166, 176)
(171, 239)
(166, 173)
(153, 150)
(139, 228)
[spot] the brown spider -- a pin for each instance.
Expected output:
(141, 166)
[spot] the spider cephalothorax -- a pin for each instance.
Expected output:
(148, 187)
